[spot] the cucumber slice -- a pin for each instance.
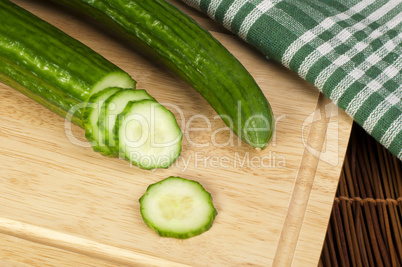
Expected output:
(149, 136)
(113, 106)
(91, 117)
(177, 207)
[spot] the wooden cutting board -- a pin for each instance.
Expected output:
(61, 204)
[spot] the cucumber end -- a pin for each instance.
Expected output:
(258, 130)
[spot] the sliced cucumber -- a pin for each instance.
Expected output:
(177, 207)
(149, 136)
(91, 117)
(113, 106)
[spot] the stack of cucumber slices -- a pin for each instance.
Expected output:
(131, 124)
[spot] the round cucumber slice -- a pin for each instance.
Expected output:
(114, 105)
(177, 207)
(149, 136)
(91, 118)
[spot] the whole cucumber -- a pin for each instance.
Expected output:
(191, 52)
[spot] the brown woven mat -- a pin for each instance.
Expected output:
(365, 228)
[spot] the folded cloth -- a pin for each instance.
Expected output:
(349, 49)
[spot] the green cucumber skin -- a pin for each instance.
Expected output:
(46, 64)
(21, 82)
(177, 41)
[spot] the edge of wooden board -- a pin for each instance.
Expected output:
(314, 156)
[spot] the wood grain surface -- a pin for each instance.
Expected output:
(61, 204)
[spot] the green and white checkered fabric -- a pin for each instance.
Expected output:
(350, 50)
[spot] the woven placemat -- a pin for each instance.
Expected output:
(365, 228)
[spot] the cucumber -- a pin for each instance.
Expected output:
(149, 136)
(177, 207)
(91, 120)
(192, 53)
(113, 106)
(51, 67)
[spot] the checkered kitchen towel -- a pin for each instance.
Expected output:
(350, 49)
